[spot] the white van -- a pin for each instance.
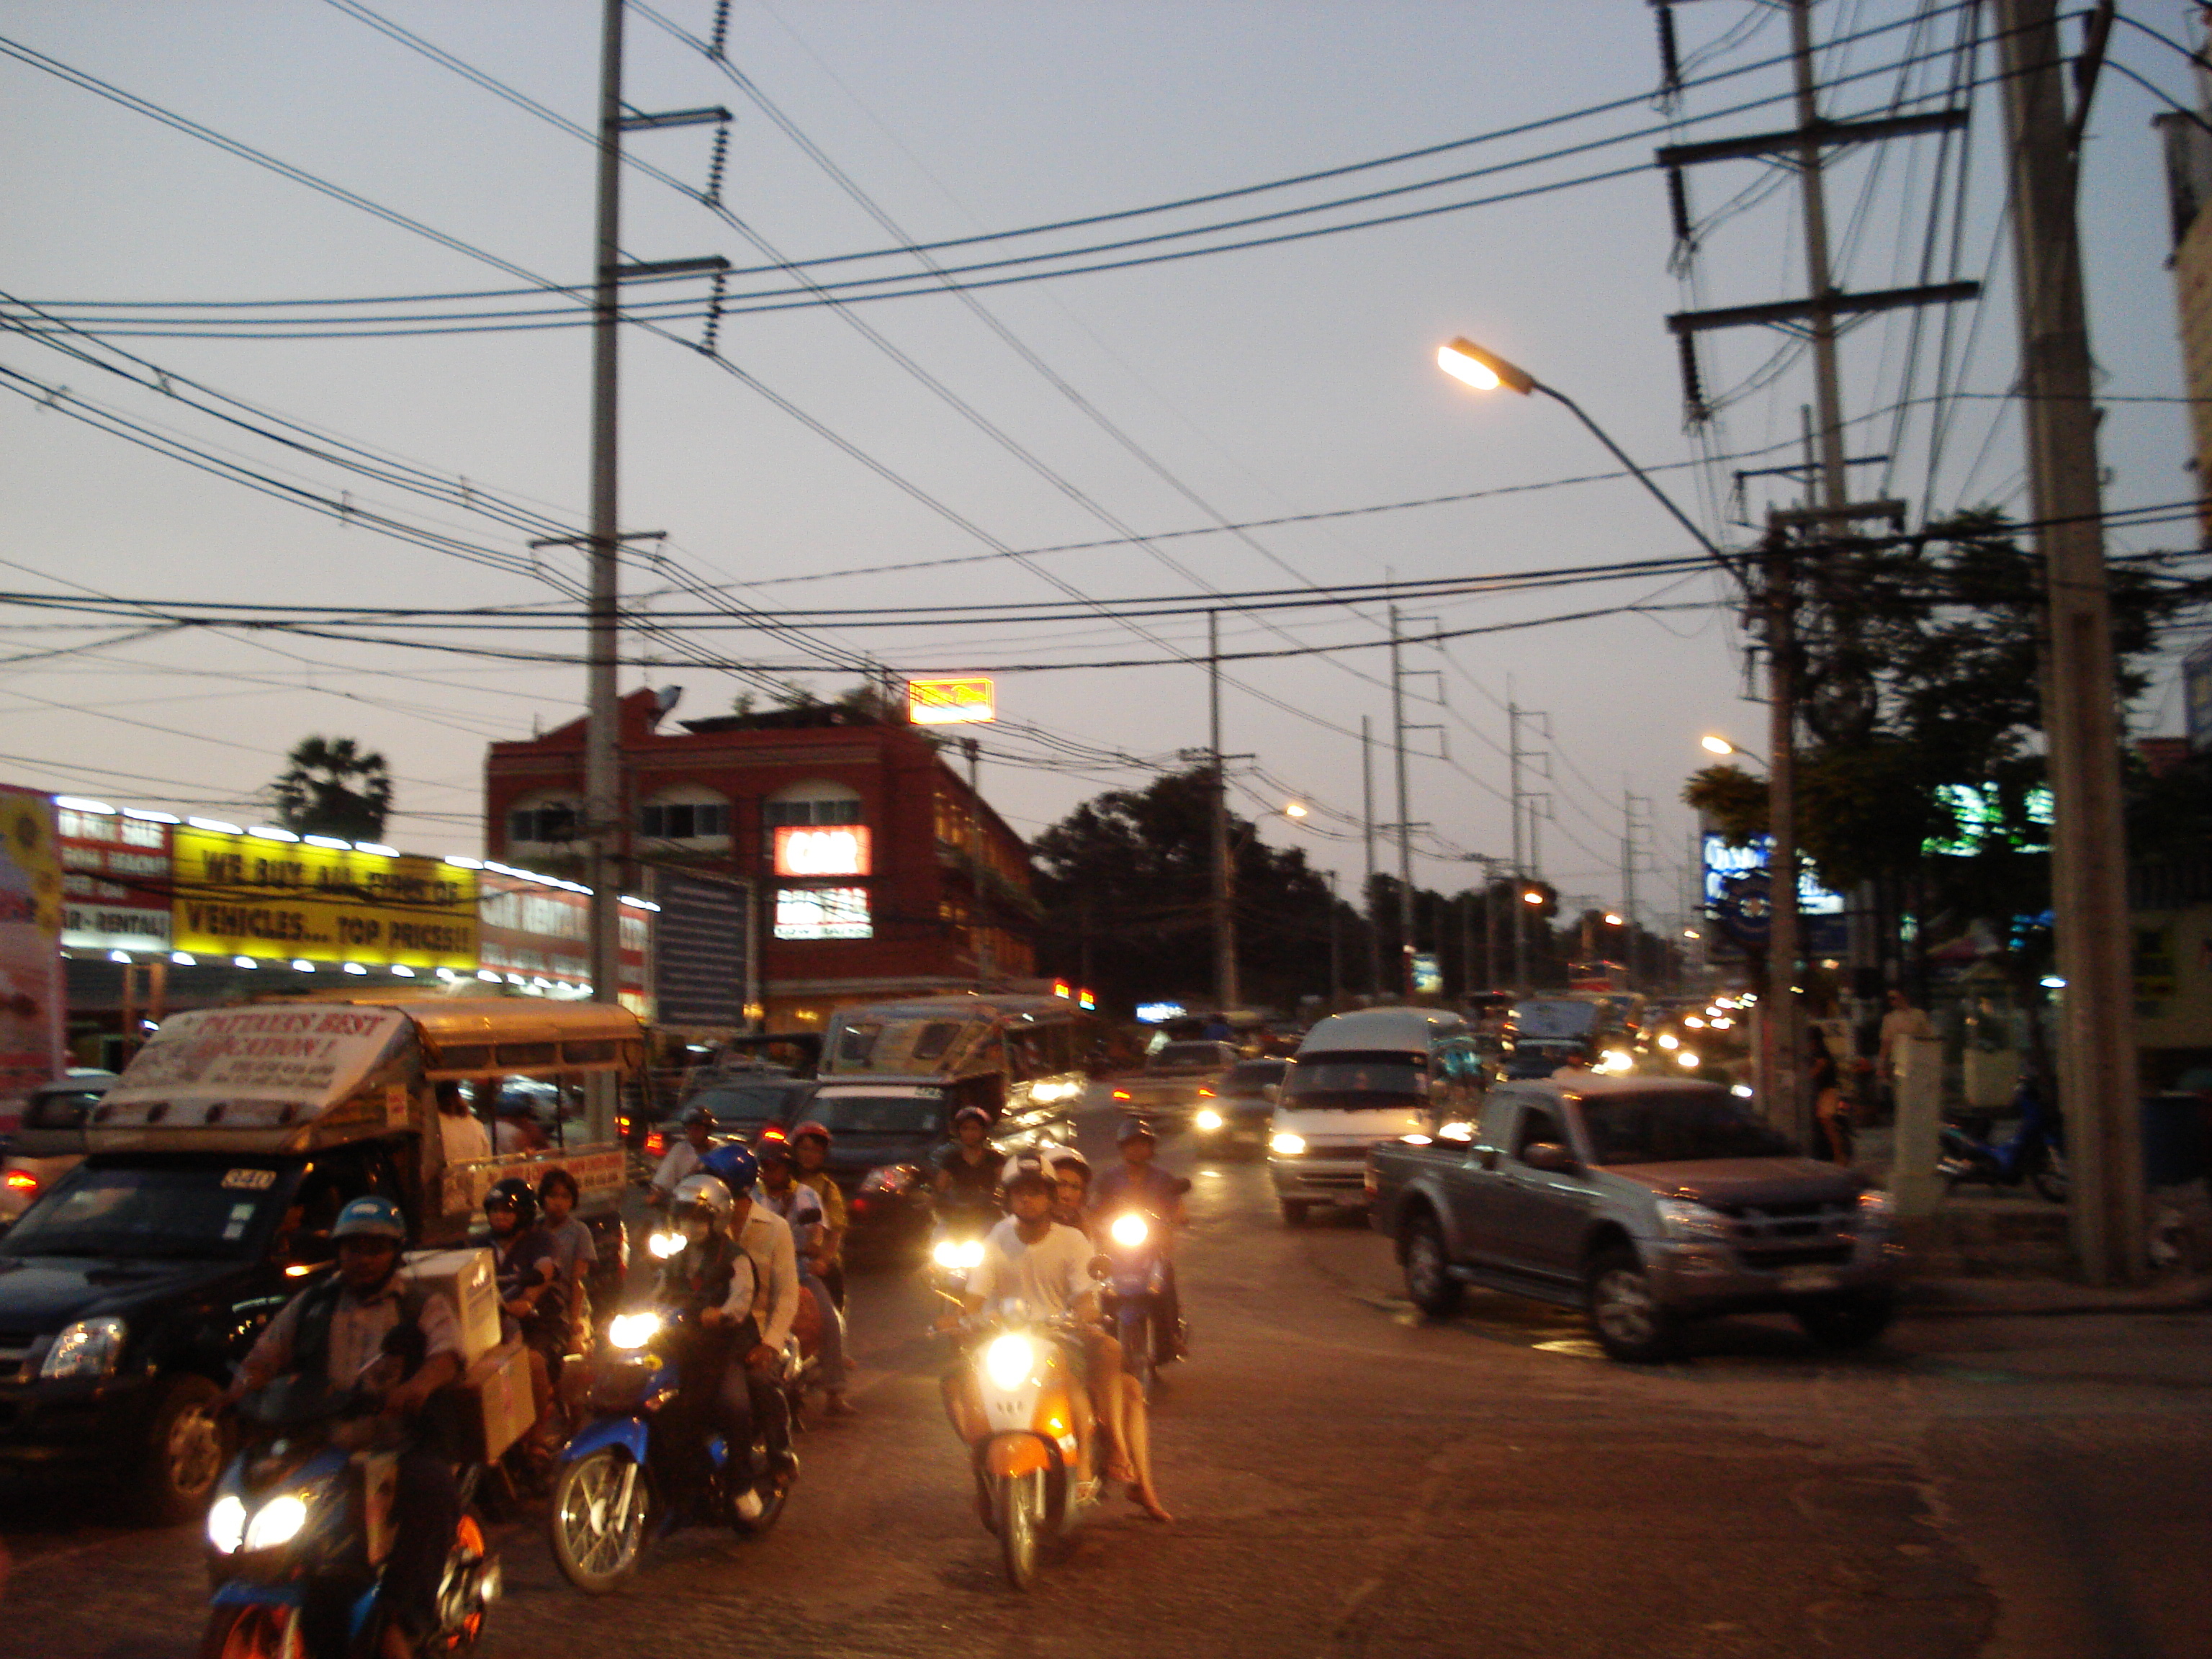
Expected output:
(1370, 1075)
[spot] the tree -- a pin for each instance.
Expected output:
(333, 787)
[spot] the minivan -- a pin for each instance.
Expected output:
(1374, 1075)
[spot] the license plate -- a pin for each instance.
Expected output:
(1809, 1278)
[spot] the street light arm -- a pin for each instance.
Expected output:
(1641, 477)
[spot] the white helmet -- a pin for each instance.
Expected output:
(1057, 1158)
(704, 1194)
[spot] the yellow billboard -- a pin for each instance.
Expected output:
(951, 702)
(250, 896)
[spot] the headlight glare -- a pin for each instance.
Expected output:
(1679, 1218)
(1130, 1230)
(664, 1245)
(1207, 1120)
(1286, 1145)
(225, 1524)
(633, 1330)
(89, 1348)
(1009, 1360)
(277, 1522)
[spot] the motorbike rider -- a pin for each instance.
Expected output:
(1070, 1188)
(1031, 1261)
(771, 1262)
(968, 1171)
(800, 1206)
(339, 1326)
(810, 1147)
(574, 1251)
(684, 1158)
(532, 1293)
(1138, 1184)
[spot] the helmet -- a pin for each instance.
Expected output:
(1024, 1171)
(1134, 1128)
(370, 1218)
(1057, 1158)
(698, 1115)
(733, 1165)
(975, 1114)
(773, 1150)
(703, 1194)
(513, 1193)
(813, 1129)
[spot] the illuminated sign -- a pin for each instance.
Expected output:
(803, 913)
(1978, 811)
(1725, 863)
(115, 881)
(839, 849)
(1152, 1013)
(244, 894)
(950, 703)
(1428, 975)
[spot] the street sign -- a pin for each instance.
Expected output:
(823, 850)
(2197, 696)
(951, 702)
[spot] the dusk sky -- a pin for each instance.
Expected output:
(1159, 401)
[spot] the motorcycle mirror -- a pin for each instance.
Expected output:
(1183, 1183)
(1101, 1268)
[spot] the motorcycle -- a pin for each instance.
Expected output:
(2033, 1154)
(1133, 1297)
(1016, 1399)
(299, 1531)
(955, 1251)
(620, 1484)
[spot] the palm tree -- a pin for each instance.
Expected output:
(333, 787)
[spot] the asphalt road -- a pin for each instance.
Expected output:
(1349, 1479)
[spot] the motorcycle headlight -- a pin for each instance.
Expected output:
(1685, 1057)
(664, 1245)
(1130, 1230)
(632, 1330)
(1009, 1361)
(89, 1348)
(225, 1524)
(1679, 1218)
(1207, 1120)
(277, 1522)
(948, 1252)
(1284, 1144)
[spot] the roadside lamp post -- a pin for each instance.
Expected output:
(1780, 1093)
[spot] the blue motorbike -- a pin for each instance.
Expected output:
(2033, 1153)
(630, 1474)
(300, 1529)
(1133, 1296)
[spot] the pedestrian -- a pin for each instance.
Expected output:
(1903, 1024)
(1831, 1112)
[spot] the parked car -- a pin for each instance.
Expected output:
(1176, 1082)
(1645, 1201)
(50, 1140)
(1243, 1101)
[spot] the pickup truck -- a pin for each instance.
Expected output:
(213, 1169)
(1645, 1201)
(1176, 1082)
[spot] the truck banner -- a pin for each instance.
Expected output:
(314, 1056)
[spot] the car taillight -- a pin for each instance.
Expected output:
(655, 1144)
(773, 1134)
(1120, 1094)
(1204, 1093)
(20, 1181)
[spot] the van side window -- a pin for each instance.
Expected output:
(936, 1037)
(1536, 1125)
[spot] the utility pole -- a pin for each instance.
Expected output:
(1226, 991)
(979, 915)
(1367, 839)
(1519, 871)
(1405, 819)
(603, 814)
(2097, 1077)
(1335, 949)
(1782, 1093)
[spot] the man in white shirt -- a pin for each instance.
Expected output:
(459, 1133)
(686, 1156)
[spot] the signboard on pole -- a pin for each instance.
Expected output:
(115, 879)
(701, 953)
(249, 895)
(2197, 697)
(951, 702)
(33, 1016)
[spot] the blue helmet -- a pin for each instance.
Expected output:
(734, 1166)
(370, 1218)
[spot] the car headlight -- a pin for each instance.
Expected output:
(1742, 1091)
(664, 1245)
(1457, 1131)
(89, 1348)
(1874, 1210)
(277, 1522)
(1284, 1144)
(1009, 1360)
(1130, 1230)
(1207, 1120)
(1687, 1057)
(225, 1524)
(633, 1330)
(1679, 1218)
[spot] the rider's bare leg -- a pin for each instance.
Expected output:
(1138, 1418)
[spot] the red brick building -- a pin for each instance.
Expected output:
(856, 837)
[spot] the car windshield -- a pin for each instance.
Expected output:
(1550, 1022)
(878, 1115)
(1350, 1080)
(1183, 1056)
(1675, 1126)
(742, 1104)
(899, 1045)
(1253, 1076)
(195, 1210)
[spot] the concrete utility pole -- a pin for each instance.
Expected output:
(2097, 1074)
(979, 919)
(1225, 990)
(1367, 840)
(1782, 1093)
(1519, 870)
(603, 814)
(1405, 818)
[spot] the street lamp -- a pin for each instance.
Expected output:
(1485, 371)
(1297, 809)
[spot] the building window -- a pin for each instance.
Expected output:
(547, 820)
(684, 820)
(777, 813)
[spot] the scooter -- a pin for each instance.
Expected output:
(1133, 1297)
(300, 1531)
(955, 1249)
(619, 1485)
(1017, 1398)
(2033, 1154)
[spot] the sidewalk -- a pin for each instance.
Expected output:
(2005, 1251)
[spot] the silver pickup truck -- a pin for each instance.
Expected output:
(1645, 1201)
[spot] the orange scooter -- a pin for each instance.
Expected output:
(1017, 1398)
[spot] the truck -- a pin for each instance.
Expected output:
(213, 1169)
(1647, 1202)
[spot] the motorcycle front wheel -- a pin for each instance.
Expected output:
(251, 1633)
(596, 1530)
(1018, 1506)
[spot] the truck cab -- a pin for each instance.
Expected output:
(213, 1170)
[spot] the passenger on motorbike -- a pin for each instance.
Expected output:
(968, 1171)
(574, 1249)
(532, 1293)
(1033, 1262)
(810, 1147)
(801, 1208)
(684, 1158)
(1070, 1188)
(339, 1327)
(1138, 1184)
